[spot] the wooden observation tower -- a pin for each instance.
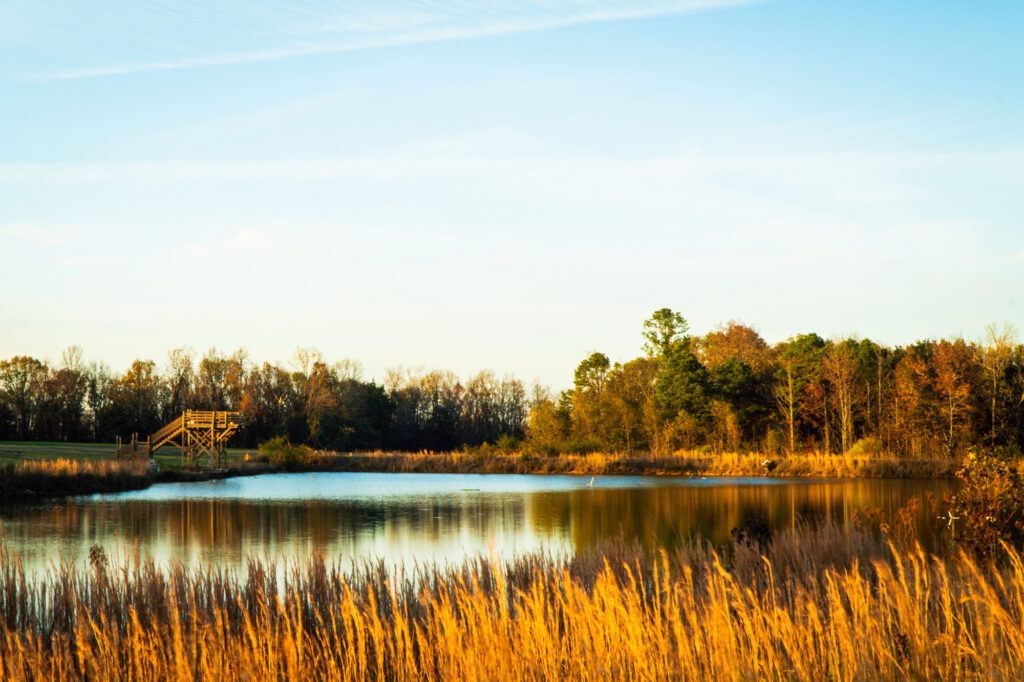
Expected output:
(195, 433)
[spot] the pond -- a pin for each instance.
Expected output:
(431, 517)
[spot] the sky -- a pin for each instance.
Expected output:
(503, 185)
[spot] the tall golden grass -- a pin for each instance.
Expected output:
(75, 467)
(818, 604)
(35, 478)
(641, 464)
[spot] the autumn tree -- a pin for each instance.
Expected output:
(840, 366)
(590, 406)
(955, 373)
(736, 341)
(220, 379)
(917, 419)
(67, 387)
(630, 393)
(135, 402)
(21, 389)
(799, 359)
(548, 426)
(321, 404)
(269, 402)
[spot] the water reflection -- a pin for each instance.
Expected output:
(429, 517)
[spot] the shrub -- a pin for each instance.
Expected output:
(866, 447)
(507, 442)
(989, 508)
(280, 451)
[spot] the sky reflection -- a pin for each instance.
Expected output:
(404, 518)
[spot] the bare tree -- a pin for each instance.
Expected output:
(348, 370)
(785, 396)
(71, 359)
(539, 394)
(180, 379)
(305, 358)
(841, 369)
(996, 351)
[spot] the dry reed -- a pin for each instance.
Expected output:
(819, 604)
(33, 479)
(37, 478)
(681, 463)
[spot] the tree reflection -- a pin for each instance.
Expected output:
(446, 526)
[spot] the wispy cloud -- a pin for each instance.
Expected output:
(839, 208)
(846, 176)
(245, 242)
(196, 33)
(39, 235)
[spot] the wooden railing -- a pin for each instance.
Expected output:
(200, 418)
(133, 448)
(196, 431)
(168, 431)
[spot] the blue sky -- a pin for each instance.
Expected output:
(503, 185)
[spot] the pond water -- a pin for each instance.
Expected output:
(430, 517)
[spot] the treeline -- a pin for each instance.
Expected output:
(324, 405)
(727, 390)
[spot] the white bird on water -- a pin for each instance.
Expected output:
(591, 484)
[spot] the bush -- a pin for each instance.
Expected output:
(507, 442)
(866, 447)
(566, 446)
(280, 451)
(989, 509)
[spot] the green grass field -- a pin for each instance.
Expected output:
(20, 451)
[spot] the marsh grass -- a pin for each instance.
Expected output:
(41, 478)
(42, 470)
(594, 464)
(818, 604)
(31, 480)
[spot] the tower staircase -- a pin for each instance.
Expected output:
(195, 433)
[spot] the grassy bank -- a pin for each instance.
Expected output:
(32, 480)
(13, 452)
(818, 604)
(604, 464)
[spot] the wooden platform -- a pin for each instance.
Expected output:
(195, 433)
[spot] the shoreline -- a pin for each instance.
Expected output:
(43, 480)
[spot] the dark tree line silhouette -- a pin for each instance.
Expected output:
(311, 401)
